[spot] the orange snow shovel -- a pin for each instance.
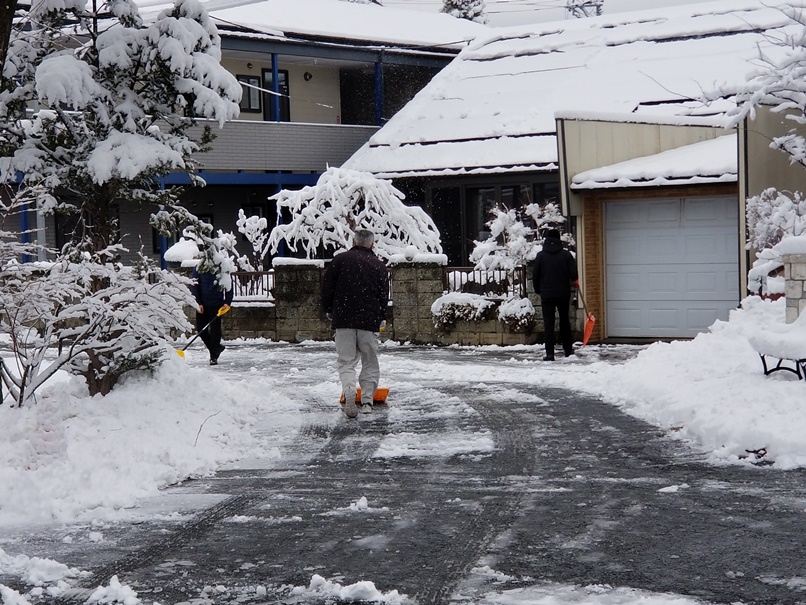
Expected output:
(379, 398)
(590, 320)
(221, 311)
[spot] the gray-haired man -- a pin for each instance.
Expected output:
(355, 294)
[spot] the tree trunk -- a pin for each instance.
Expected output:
(7, 8)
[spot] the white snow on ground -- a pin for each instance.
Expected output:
(73, 458)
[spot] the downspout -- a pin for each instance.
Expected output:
(744, 192)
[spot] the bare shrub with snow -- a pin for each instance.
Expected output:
(325, 217)
(103, 319)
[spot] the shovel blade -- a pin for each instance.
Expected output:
(590, 321)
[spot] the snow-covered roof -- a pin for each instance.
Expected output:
(493, 108)
(711, 161)
(339, 20)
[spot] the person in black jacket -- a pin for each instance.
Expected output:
(555, 271)
(355, 294)
(210, 298)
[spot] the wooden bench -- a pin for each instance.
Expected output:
(782, 348)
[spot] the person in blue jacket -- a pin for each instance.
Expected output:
(555, 271)
(209, 298)
(355, 294)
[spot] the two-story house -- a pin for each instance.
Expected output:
(319, 78)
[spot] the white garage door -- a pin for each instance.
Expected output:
(672, 265)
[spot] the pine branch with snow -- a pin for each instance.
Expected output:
(113, 101)
(218, 253)
(472, 10)
(327, 215)
(778, 82)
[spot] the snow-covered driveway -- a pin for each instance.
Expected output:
(478, 483)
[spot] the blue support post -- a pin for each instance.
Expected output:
(25, 228)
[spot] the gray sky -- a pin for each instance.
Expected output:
(514, 12)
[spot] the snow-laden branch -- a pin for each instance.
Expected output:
(327, 215)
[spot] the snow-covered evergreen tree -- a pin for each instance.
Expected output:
(95, 106)
(325, 217)
(112, 101)
(472, 10)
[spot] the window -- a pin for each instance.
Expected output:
(250, 99)
(272, 101)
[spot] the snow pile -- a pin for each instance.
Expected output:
(72, 457)
(358, 592)
(711, 390)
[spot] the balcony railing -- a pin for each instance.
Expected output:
(496, 283)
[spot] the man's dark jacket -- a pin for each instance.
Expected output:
(206, 291)
(355, 290)
(555, 269)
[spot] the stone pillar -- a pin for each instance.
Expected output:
(297, 300)
(795, 275)
(415, 287)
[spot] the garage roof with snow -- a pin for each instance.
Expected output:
(493, 108)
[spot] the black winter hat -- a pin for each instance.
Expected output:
(551, 233)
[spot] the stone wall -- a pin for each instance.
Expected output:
(795, 275)
(296, 315)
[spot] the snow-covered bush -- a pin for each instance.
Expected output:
(327, 215)
(472, 10)
(772, 217)
(254, 229)
(103, 319)
(515, 236)
(449, 309)
(518, 314)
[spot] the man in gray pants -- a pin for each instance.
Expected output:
(355, 294)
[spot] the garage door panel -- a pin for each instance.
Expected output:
(668, 320)
(672, 282)
(665, 213)
(625, 215)
(672, 266)
(714, 212)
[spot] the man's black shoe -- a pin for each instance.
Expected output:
(213, 362)
(548, 358)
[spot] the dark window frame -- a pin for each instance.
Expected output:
(251, 99)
